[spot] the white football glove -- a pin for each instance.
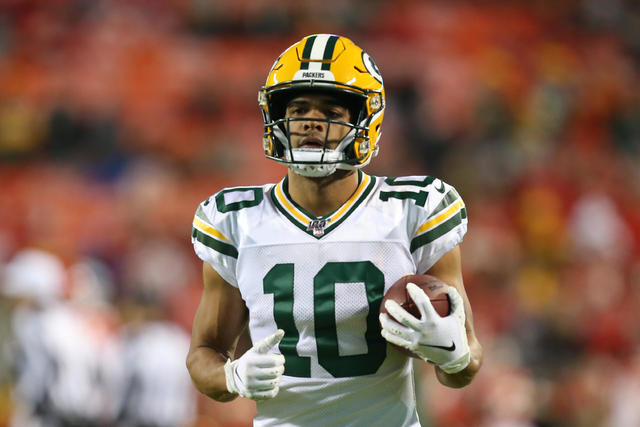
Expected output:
(257, 373)
(435, 339)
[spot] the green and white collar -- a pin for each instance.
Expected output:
(319, 226)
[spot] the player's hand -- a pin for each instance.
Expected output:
(257, 373)
(439, 340)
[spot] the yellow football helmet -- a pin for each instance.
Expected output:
(324, 63)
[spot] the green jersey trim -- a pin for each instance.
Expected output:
(320, 226)
(439, 231)
(216, 245)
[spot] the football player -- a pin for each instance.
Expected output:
(304, 263)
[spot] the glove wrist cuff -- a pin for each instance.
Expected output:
(229, 377)
(457, 365)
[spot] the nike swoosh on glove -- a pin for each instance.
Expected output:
(257, 373)
(435, 339)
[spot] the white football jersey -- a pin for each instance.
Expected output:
(321, 280)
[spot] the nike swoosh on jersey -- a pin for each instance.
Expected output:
(452, 347)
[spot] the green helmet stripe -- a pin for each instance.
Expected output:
(328, 52)
(306, 52)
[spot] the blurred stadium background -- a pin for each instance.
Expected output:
(117, 117)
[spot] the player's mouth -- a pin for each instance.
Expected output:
(311, 142)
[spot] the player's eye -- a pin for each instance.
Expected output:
(296, 111)
(335, 114)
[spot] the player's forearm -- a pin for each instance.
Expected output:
(206, 367)
(464, 377)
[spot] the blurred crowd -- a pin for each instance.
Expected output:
(117, 117)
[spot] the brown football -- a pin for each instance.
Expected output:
(431, 285)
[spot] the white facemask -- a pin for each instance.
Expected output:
(316, 162)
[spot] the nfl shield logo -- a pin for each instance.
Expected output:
(317, 226)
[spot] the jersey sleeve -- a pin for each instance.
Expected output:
(211, 235)
(438, 226)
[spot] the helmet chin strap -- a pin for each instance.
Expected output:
(313, 171)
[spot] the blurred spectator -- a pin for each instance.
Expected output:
(21, 130)
(158, 390)
(68, 363)
(33, 282)
(597, 229)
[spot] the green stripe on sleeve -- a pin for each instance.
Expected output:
(216, 245)
(439, 231)
(448, 199)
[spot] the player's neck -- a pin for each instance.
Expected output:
(321, 196)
